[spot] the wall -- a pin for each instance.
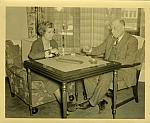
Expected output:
(16, 23)
(142, 23)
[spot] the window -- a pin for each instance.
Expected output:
(131, 17)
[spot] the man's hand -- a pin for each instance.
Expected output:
(87, 50)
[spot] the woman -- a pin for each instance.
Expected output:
(45, 45)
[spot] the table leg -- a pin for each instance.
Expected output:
(115, 77)
(29, 81)
(76, 90)
(84, 90)
(64, 99)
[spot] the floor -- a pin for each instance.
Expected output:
(15, 108)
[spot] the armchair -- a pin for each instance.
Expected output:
(138, 65)
(16, 77)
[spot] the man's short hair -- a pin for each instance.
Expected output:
(122, 22)
(119, 20)
(43, 26)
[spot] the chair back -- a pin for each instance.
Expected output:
(140, 41)
(13, 54)
(26, 46)
(140, 57)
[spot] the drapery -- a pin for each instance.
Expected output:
(35, 15)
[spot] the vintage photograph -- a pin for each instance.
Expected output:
(75, 62)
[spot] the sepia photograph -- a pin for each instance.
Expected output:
(75, 62)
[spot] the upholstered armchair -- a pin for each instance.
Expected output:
(17, 77)
(139, 66)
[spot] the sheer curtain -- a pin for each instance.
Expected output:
(94, 24)
(79, 26)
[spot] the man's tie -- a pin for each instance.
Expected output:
(116, 42)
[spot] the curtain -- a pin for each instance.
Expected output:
(35, 15)
(94, 24)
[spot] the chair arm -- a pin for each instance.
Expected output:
(96, 56)
(130, 65)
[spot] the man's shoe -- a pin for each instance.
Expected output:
(71, 98)
(109, 93)
(102, 105)
(85, 105)
(71, 107)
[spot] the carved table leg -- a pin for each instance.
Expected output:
(29, 81)
(64, 99)
(76, 90)
(115, 77)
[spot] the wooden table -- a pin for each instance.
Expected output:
(69, 68)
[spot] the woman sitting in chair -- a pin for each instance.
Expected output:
(45, 46)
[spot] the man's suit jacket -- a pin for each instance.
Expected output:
(126, 52)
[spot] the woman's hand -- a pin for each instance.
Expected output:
(48, 54)
(54, 51)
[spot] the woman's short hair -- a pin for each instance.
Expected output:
(43, 26)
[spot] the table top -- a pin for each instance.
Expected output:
(69, 63)
(69, 68)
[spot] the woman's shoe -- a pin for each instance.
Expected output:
(71, 98)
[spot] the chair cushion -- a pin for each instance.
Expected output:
(19, 86)
(40, 94)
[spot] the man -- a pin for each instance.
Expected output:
(121, 47)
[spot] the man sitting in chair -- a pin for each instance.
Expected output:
(121, 47)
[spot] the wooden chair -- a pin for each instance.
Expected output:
(138, 65)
